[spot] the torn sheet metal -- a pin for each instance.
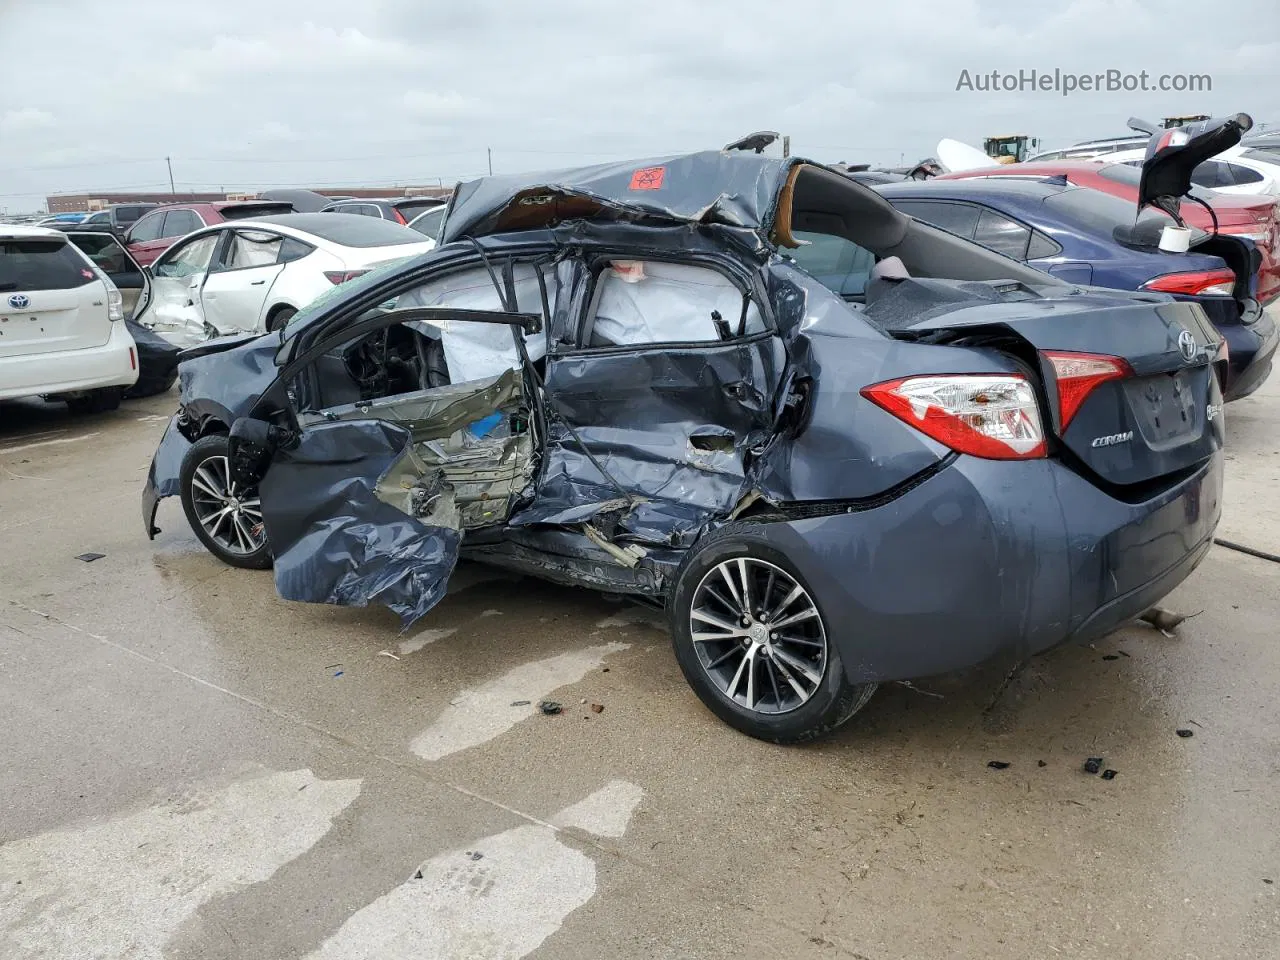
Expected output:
(725, 187)
(335, 540)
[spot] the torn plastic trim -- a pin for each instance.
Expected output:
(750, 507)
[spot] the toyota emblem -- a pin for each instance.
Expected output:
(1187, 344)
(19, 301)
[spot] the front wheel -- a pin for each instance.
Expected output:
(226, 517)
(753, 643)
(279, 318)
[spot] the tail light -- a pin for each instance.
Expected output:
(342, 276)
(994, 416)
(1079, 374)
(399, 216)
(1249, 231)
(1195, 283)
(115, 304)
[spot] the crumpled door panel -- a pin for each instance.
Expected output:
(338, 541)
(671, 425)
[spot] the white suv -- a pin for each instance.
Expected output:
(62, 330)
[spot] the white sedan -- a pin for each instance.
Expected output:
(1238, 170)
(253, 275)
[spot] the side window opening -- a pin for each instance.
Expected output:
(638, 302)
(474, 443)
(251, 249)
(838, 264)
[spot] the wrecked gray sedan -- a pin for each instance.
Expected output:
(838, 445)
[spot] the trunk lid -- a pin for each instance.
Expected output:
(1172, 156)
(50, 298)
(1160, 413)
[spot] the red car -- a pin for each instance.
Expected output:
(1255, 217)
(163, 227)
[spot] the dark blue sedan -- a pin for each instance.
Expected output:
(1088, 237)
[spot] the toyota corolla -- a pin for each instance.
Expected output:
(617, 377)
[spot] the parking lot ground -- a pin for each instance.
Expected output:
(193, 768)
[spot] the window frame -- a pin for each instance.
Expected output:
(752, 290)
(183, 211)
(175, 251)
(232, 232)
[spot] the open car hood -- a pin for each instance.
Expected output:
(1172, 156)
(749, 192)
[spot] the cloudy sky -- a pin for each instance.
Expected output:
(247, 94)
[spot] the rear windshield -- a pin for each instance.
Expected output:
(41, 264)
(1111, 216)
(128, 214)
(411, 208)
(354, 231)
(1132, 176)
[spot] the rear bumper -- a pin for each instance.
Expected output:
(114, 364)
(1253, 349)
(994, 558)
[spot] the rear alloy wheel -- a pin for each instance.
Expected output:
(95, 401)
(226, 517)
(753, 643)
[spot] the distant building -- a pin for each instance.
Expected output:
(75, 202)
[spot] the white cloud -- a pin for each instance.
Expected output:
(28, 118)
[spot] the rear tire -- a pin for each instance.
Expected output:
(227, 521)
(279, 318)
(95, 401)
(783, 682)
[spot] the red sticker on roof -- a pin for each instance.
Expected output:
(648, 178)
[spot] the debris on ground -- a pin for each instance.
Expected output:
(911, 686)
(1042, 763)
(1093, 764)
(1166, 621)
(1267, 880)
(1108, 774)
(998, 764)
(550, 707)
(90, 557)
(604, 669)
(475, 854)
(521, 703)
(387, 653)
(337, 668)
(1111, 656)
(1184, 733)
(597, 708)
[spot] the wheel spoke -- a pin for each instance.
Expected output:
(243, 533)
(808, 614)
(747, 607)
(216, 521)
(803, 641)
(791, 598)
(768, 590)
(773, 680)
(799, 666)
(733, 589)
(737, 676)
(714, 637)
(724, 656)
(206, 483)
(732, 629)
(787, 676)
(750, 659)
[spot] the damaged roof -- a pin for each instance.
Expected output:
(733, 188)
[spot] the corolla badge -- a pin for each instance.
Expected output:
(19, 301)
(1113, 439)
(1213, 411)
(1187, 344)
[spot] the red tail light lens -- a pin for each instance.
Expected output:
(342, 276)
(1079, 374)
(1195, 283)
(399, 216)
(993, 416)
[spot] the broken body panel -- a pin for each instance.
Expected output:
(602, 463)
